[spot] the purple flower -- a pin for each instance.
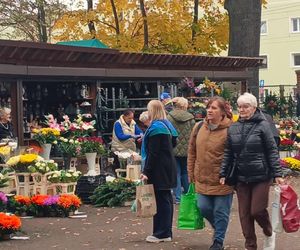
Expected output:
(52, 200)
(3, 197)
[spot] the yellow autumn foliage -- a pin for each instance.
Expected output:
(169, 26)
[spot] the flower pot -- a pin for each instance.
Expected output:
(46, 151)
(284, 154)
(91, 161)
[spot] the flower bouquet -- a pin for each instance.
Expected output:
(45, 135)
(208, 88)
(76, 128)
(63, 176)
(42, 166)
(19, 205)
(69, 147)
(286, 145)
(9, 224)
(20, 163)
(3, 202)
(92, 145)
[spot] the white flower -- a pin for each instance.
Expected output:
(51, 161)
(54, 175)
(109, 178)
(65, 140)
(75, 174)
(68, 175)
(38, 164)
(1, 176)
(71, 141)
(55, 142)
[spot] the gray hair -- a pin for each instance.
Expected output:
(4, 111)
(181, 103)
(144, 116)
(247, 98)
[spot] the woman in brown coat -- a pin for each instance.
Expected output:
(205, 155)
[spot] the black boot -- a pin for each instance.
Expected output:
(216, 246)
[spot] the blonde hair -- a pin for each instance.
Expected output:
(144, 116)
(156, 110)
(247, 98)
(181, 103)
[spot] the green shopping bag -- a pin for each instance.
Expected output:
(189, 216)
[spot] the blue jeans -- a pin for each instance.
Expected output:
(216, 209)
(182, 177)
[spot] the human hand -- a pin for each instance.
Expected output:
(279, 181)
(144, 177)
(222, 181)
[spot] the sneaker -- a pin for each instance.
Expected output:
(269, 242)
(216, 246)
(154, 239)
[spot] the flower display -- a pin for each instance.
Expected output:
(43, 166)
(69, 201)
(46, 135)
(9, 223)
(286, 145)
(76, 128)
(5, 151)
(208, 88)
(20, 163)
(19, 204)
(292, 163)
(271, 104)
(39, 199)
(70, 147)
(198, 109)
(63, 176)
(92, 145)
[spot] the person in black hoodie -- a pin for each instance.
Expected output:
(6, 129)
(251, 147)
(159, 169)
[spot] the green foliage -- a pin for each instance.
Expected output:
(271, 104)
(115, 193)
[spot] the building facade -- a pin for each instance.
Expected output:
(280, 42)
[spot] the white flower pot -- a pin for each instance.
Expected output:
(46, 151)
(91, 161)
(284, 154)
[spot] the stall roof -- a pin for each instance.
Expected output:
(55, 55)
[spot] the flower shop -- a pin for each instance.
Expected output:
(65, 99)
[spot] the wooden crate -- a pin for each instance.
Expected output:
(24, 184)
(65, 188)
(41, 185)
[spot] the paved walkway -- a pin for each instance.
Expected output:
(119, 229)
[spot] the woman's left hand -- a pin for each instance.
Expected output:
(222, 181)
(279, 181)
(144, 177)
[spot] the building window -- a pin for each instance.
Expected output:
(264, 62)
(296, 24)
(296, 59)
(263, 27)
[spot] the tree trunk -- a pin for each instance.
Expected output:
(113, 6)
(244, 33)
(145, 23)
(91, 24)
(195, 20)
(43, 37)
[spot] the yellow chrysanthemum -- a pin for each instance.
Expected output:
(13, 160)
(292, 163)
(28, 158)
(5, 150)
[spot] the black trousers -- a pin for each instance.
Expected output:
(162, 221)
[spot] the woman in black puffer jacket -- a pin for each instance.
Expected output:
(252, 148)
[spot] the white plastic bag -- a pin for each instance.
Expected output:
(276, 212)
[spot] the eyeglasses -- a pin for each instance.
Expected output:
(245, 106)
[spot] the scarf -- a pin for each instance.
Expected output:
(156, 127)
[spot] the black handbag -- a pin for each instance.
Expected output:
(231, 177)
